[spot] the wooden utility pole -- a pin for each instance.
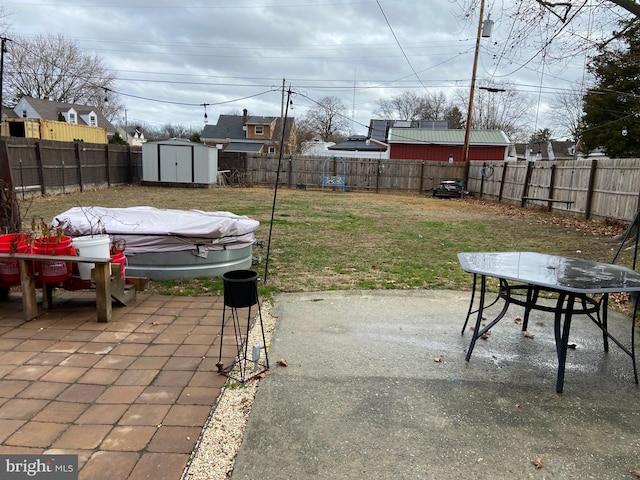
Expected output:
(467, 132)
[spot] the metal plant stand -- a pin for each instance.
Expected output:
(240, 295)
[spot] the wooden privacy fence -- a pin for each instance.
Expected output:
(369, 174)
(47, 166)
(592, 188)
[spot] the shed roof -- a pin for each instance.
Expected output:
(179, 142)
(249, 147)
(448, 137)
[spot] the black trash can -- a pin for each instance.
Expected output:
(240, 288)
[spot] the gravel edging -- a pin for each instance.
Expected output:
(215, 452)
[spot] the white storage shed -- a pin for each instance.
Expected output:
(179, 161)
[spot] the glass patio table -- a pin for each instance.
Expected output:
(582, 287)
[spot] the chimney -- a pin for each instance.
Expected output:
(245, 114)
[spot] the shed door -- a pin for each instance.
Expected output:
(176, 164)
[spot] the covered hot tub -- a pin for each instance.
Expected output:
(166, 244)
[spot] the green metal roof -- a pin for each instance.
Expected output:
(447, 137)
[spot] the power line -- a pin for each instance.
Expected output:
(400, 45)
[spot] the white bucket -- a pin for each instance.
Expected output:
(91, 246)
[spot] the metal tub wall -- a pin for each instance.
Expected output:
(162, 266)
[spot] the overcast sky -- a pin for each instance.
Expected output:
(172, 56)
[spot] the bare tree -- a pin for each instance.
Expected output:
(406, 106)
(566, 110)
(499, 107)
(166, 131)
(563, 9)
(411, 106)
(4, 22)
(327, 120)
(53, 66)
(554, 30)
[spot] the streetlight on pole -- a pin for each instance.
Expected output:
(484, 31)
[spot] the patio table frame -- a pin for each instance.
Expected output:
(581, 287)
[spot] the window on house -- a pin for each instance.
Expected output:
(93, 121)
(272, 150)
(72, 118)
(259, 129)
(24, 113)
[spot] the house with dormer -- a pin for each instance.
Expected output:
(51, 120)
(249, 134)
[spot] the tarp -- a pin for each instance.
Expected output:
(149, 229)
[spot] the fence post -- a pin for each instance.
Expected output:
(43, 187)
(132, 167)
(527, 180)
(551, 184)
(592, 179)
(108, 160)
(378, 177)
(484, 165)
(502, 180)
(79, 165)
(420, 188)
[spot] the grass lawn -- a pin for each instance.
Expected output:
(357, 240)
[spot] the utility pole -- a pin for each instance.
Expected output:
(467, 132)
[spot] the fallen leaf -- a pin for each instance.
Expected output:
(472, 328)
(437, 359)
(282, 362)
(518, 320)
(260, 376)
(155, 324)
(635, 472)
(518, 405)
(526, 334)
(537, 463)
(572, 345)
(540, 324)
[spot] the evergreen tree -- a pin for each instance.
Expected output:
(613, 105)
(116, 139)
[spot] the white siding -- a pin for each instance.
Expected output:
(22, 106)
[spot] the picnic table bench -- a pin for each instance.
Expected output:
(108, 285)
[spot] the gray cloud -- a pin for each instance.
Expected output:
(171, 57)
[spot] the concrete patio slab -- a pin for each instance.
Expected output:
(377, 387)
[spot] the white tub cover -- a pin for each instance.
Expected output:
(149, 229)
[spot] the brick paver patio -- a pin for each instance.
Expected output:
(129, 397)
